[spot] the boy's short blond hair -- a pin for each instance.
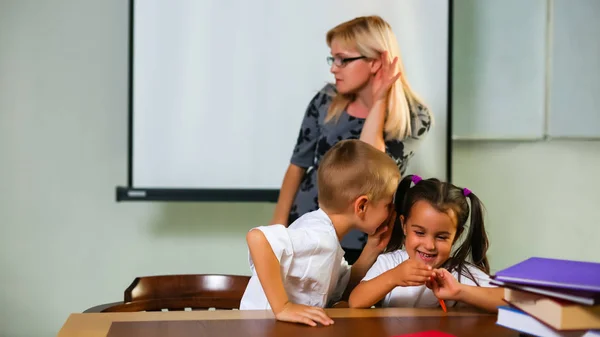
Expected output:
(352, 168)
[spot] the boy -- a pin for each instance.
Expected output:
(301, 269)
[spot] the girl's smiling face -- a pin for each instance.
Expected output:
(429, 233)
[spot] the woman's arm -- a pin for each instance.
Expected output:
(385, 77)
(372, 132)
(302, 158)
(289, 187)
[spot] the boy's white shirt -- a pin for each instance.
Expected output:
(418, 296)
(313, 268)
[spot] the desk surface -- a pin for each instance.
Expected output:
(348, 322)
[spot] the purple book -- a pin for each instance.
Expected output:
(554, 273)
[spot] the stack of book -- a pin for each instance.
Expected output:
(551, 297)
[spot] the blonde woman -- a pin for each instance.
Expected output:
(371, 100)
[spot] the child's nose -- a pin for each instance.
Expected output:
(430, 244)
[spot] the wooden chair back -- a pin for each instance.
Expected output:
(180, 292)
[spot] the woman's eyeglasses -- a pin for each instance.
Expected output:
(341, 61)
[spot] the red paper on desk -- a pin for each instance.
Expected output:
(430, 333)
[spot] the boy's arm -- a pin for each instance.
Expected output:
(268, 271)
(376, 243)
(267, 268)
(359, 269)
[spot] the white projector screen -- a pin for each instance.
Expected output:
(219, 87)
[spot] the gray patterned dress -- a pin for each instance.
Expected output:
(316, 137)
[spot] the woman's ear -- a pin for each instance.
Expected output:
(375, 65)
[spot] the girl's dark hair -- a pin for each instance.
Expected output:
(443, 197)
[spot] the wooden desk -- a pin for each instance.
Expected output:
(348, 322)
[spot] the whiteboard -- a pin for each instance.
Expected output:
(575, 73)
(499, 69)
(220, 87)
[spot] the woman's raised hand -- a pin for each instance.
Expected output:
(385, 77)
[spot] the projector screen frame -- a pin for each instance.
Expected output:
(131, 193)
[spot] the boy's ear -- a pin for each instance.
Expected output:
(360, 206)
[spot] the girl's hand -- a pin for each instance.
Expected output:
(444, 285)
(384, 77)
(412, 273)
(380, 239)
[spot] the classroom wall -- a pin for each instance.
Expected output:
(541, 198)
(540, 195)
(66, 245)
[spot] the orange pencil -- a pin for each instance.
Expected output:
(443, 304)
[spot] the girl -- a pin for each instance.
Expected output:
(432, 216)
(371, 100)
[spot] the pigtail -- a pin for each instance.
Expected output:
(475, 244)
(401, 195)
(401, 207)
(477, 236)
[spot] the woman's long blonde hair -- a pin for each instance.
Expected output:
(371, 35)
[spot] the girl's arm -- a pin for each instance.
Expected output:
(289, 187)
(485, 298)
(446, 287)
(408, 273)
(368, 293)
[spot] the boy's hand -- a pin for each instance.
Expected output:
(380, 239)
(298, 313)
(444, 285)
(412, 273)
